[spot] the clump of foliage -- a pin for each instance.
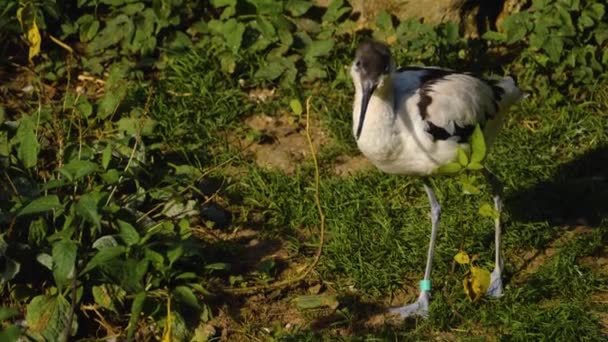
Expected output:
(558, 43)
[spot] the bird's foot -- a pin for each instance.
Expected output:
(495, 289)
(419, 308)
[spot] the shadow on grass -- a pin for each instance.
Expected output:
(577, 194)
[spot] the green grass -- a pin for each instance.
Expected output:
(378, 225)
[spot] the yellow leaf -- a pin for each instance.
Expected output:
(20, 16)
(476, 283)
(33, 37)
(462, 258)
(167, 334)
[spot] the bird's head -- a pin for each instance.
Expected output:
(370, 71)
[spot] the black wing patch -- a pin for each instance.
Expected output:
(439, 133)
(432, 76)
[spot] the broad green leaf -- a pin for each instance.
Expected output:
(474, 166)
(462, 258)
(487, 210)
(266, 29)
(11, 333)
(48, 316)
(185, 295)
(601, 34)
(105, 242)
(476, 282)
(452, 32)
(319, 48)
(103, 256)
(298, 7)
(106, 156)
(128, 233)
(222, 3)
(9, 270)
(109, 103)
(45, 260)
(88, 208)
(77, 169)
(175, 253)
(85, 107)
(7, 313)
(334, 11)
(270, 71)
(40, 205)
(64, 261)
(495, 36)
(28, 149)
(449, 168)
(296, 106)
(463, 160)
(136, 308)
(233, 33)
(384, 22)
(595, 10)
(478, 146)
(553, 46)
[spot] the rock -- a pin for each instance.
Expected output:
(474, 16)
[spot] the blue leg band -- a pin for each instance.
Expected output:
(425, 285)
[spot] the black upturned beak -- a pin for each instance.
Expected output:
(368, 90)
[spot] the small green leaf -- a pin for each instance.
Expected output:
(88, 208)
(487, 210)
(45, 260)
(298, 7)
(185, 295)
(103, 256)
(449, 168)
(296, 106)
(28, 149)
(128, 233)
(136, 308)
(474, 166)
(270, 71)
(11, 333)
(318, 48)
(495, 36)
(64, 261)
(7, 313)
(222, 3)
(463, 160)
(40, 205)
(77, 169)
(233, 33)
(478, 146)
(106, 156)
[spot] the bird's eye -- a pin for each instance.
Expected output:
(386, 69)
(358, 64)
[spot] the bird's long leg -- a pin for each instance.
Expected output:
(495, 289)
(421, 306)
